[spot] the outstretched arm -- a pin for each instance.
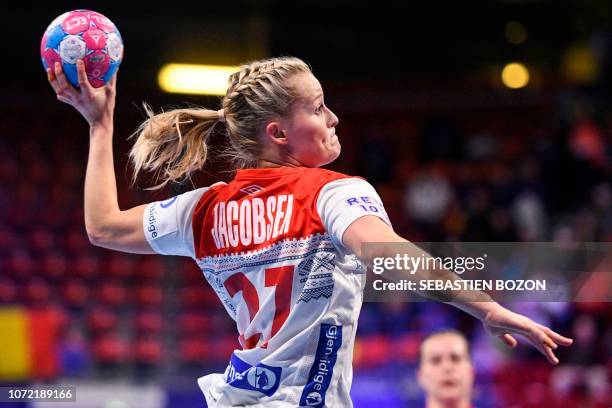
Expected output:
(107, 226)
(497, 320)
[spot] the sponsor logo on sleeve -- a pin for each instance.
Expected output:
(167, 203)
(261, 377)
(369, 205)
(152, 221)
(364, 203)
(319, 378)
(159, 222)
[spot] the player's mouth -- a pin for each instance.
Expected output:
(450, 383)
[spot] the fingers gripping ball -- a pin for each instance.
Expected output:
(86, 35)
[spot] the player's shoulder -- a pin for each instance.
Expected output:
(206, 194)
(322, 176)
(319, 172)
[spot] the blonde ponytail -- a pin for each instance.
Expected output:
(172, 144)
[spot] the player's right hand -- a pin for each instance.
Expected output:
(95, 104)
(505, 324)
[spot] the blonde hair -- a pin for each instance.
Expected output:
(174, 144)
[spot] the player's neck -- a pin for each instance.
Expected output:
(287, 162)
(461, 403)
(273, 158)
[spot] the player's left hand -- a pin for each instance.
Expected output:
(95, 104)
(505, 324)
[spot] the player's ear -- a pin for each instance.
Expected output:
(275, 133)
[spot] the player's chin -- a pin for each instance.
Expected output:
(333, 153)
(337, 150)
(329, 158)
(334, 146)
(450, 394)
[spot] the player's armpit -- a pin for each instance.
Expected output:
(121, 231)
(368, 229)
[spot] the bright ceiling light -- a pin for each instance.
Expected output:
(515, 75)
(195, 79)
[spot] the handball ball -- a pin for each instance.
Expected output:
(86, 35)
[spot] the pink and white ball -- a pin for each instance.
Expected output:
(86, 35)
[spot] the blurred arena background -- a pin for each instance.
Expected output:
(425, 116)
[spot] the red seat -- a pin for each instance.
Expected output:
(20, 265)
(149, 269)
(76, 217)
(119, 266)
(8, 291)
(148, 350)
(149, 322)
(198, 297)
(110, 348)
(41, 240)
(190, 273)
(53, 215)
(86, 266)
(194, 350)
(37, 292)
(149, 296)
(372, 351)
(76, 240)
(8, 239)
(102, 319)
(54, 266)
(75, 293)
(113, 294)
(18, 215)
(223, 346)
(193, 323)
(407, 347)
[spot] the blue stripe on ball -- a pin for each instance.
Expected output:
(55, 37)
(71, 73)
(111, 71)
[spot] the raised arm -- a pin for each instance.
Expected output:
(107, 226)
(497, 320)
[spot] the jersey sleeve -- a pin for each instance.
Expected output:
(341, 202)
(167, 224)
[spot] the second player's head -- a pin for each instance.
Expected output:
(445, 369)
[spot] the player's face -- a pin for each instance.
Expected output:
(311, 127)
(446, 372)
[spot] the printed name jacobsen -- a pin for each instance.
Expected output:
(476, 284)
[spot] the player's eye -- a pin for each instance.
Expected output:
(319, 109)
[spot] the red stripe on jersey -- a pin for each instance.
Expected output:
(258, 208)
(281, 278)
(239, 283)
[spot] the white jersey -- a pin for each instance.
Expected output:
(270, 245)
